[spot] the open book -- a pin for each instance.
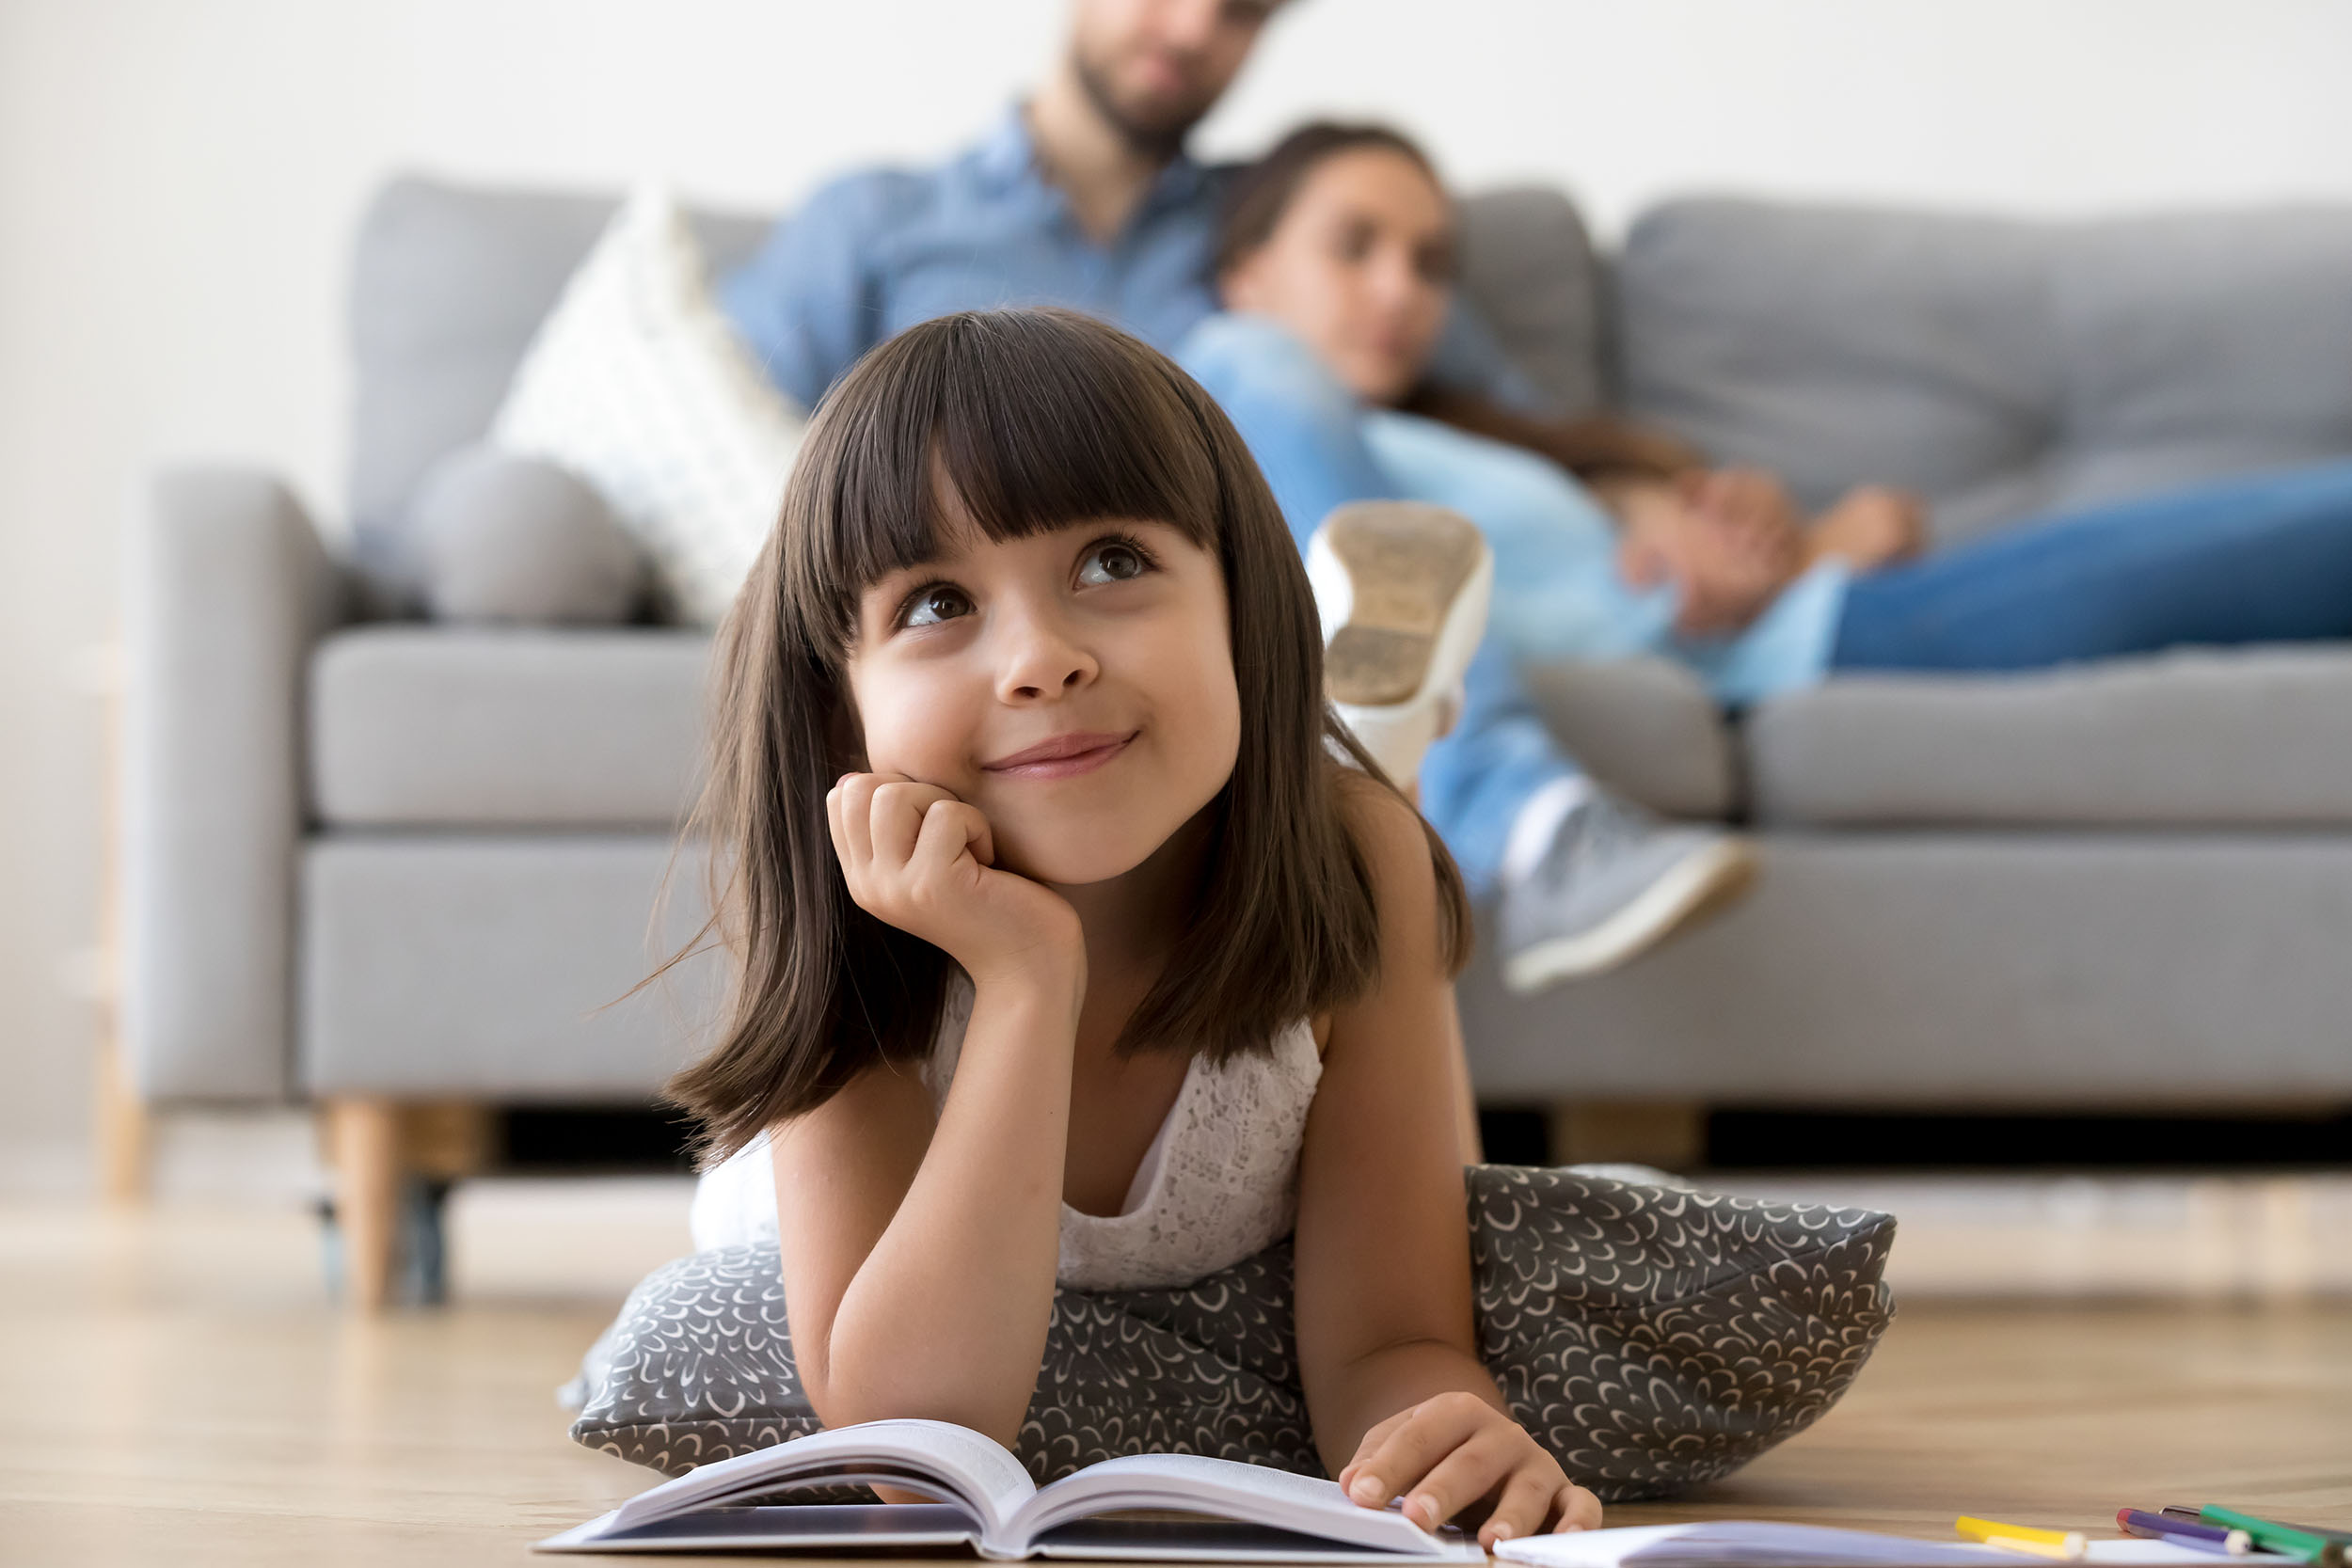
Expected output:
(1228, 1512)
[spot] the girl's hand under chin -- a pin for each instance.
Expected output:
(918, 858)
(1453, 1450)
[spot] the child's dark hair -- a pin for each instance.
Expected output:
(1035, 420)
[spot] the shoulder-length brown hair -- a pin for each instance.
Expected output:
(1037, 420)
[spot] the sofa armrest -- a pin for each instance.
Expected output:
(228, 586)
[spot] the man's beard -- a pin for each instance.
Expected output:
(1157, 141)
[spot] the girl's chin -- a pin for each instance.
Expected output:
(1063, 864)
(1068, 870)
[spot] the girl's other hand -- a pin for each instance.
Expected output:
(916, 856)
(1455, 1452)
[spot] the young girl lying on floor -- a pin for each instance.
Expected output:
(1078, 944)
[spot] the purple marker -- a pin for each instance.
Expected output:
(2168, 1526)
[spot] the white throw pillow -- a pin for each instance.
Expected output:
(638, 384)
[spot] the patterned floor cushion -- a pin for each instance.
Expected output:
(1652, 1337)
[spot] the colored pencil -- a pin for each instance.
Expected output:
(2063, 1544)
(2183, 1532)
(2286, 1540)
(2341, 1537)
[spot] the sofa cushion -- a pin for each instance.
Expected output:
(501, 967)
(638, 382)
(448, 284)
(435, 726)
(2257, 736)
(2005, 369)
(508, 539)
(1528, 268)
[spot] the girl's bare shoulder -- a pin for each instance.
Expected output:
(1416, 892)
(1390, 836)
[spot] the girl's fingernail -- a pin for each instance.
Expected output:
(1425, 1506)
(1501, 1532)
(1368, 1490)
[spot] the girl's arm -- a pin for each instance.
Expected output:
(918, 1259)
(1401, 1404)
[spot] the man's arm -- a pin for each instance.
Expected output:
(808, 304)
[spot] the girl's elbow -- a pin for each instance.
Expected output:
(900, 1388)
(989, 1417)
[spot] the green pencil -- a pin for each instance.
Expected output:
(2282, 1539)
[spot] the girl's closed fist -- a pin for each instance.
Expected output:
(1456, 1452)
(916, 856)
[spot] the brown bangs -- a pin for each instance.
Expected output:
(1029, 423)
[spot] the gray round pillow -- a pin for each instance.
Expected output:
(502, 537)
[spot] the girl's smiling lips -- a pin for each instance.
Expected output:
(1065, 756)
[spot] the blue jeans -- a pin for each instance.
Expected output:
(2264, 558)
(1306, 431)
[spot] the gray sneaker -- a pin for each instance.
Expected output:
(1615, 882)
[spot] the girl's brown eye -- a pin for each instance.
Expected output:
(1112, 562)
(941, 601)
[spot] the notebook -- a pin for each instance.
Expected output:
(1206, 1510)
(1756, 1544)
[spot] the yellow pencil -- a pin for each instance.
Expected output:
(2063, 1546)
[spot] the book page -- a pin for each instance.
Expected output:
(936, 1457)
(840, 1527)
(1226, 1490)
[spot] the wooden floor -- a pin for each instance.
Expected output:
(172, 1390)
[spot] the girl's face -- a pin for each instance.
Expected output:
(1360, 268)
(1076, 685)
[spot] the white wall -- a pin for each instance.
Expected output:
(177, 177)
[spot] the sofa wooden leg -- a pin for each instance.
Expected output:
(125, 1134)
(124, 1130)
(1668, 1133)
(364, 1142)
(447, 1139)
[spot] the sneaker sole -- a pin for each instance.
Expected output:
(1696, 887)
(1407, 567)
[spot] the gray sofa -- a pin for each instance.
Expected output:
(374, 862)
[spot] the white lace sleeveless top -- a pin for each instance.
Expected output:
(1219, 1183)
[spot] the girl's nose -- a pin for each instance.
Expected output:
(1043, 662)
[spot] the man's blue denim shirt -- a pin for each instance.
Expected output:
(873, 253)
